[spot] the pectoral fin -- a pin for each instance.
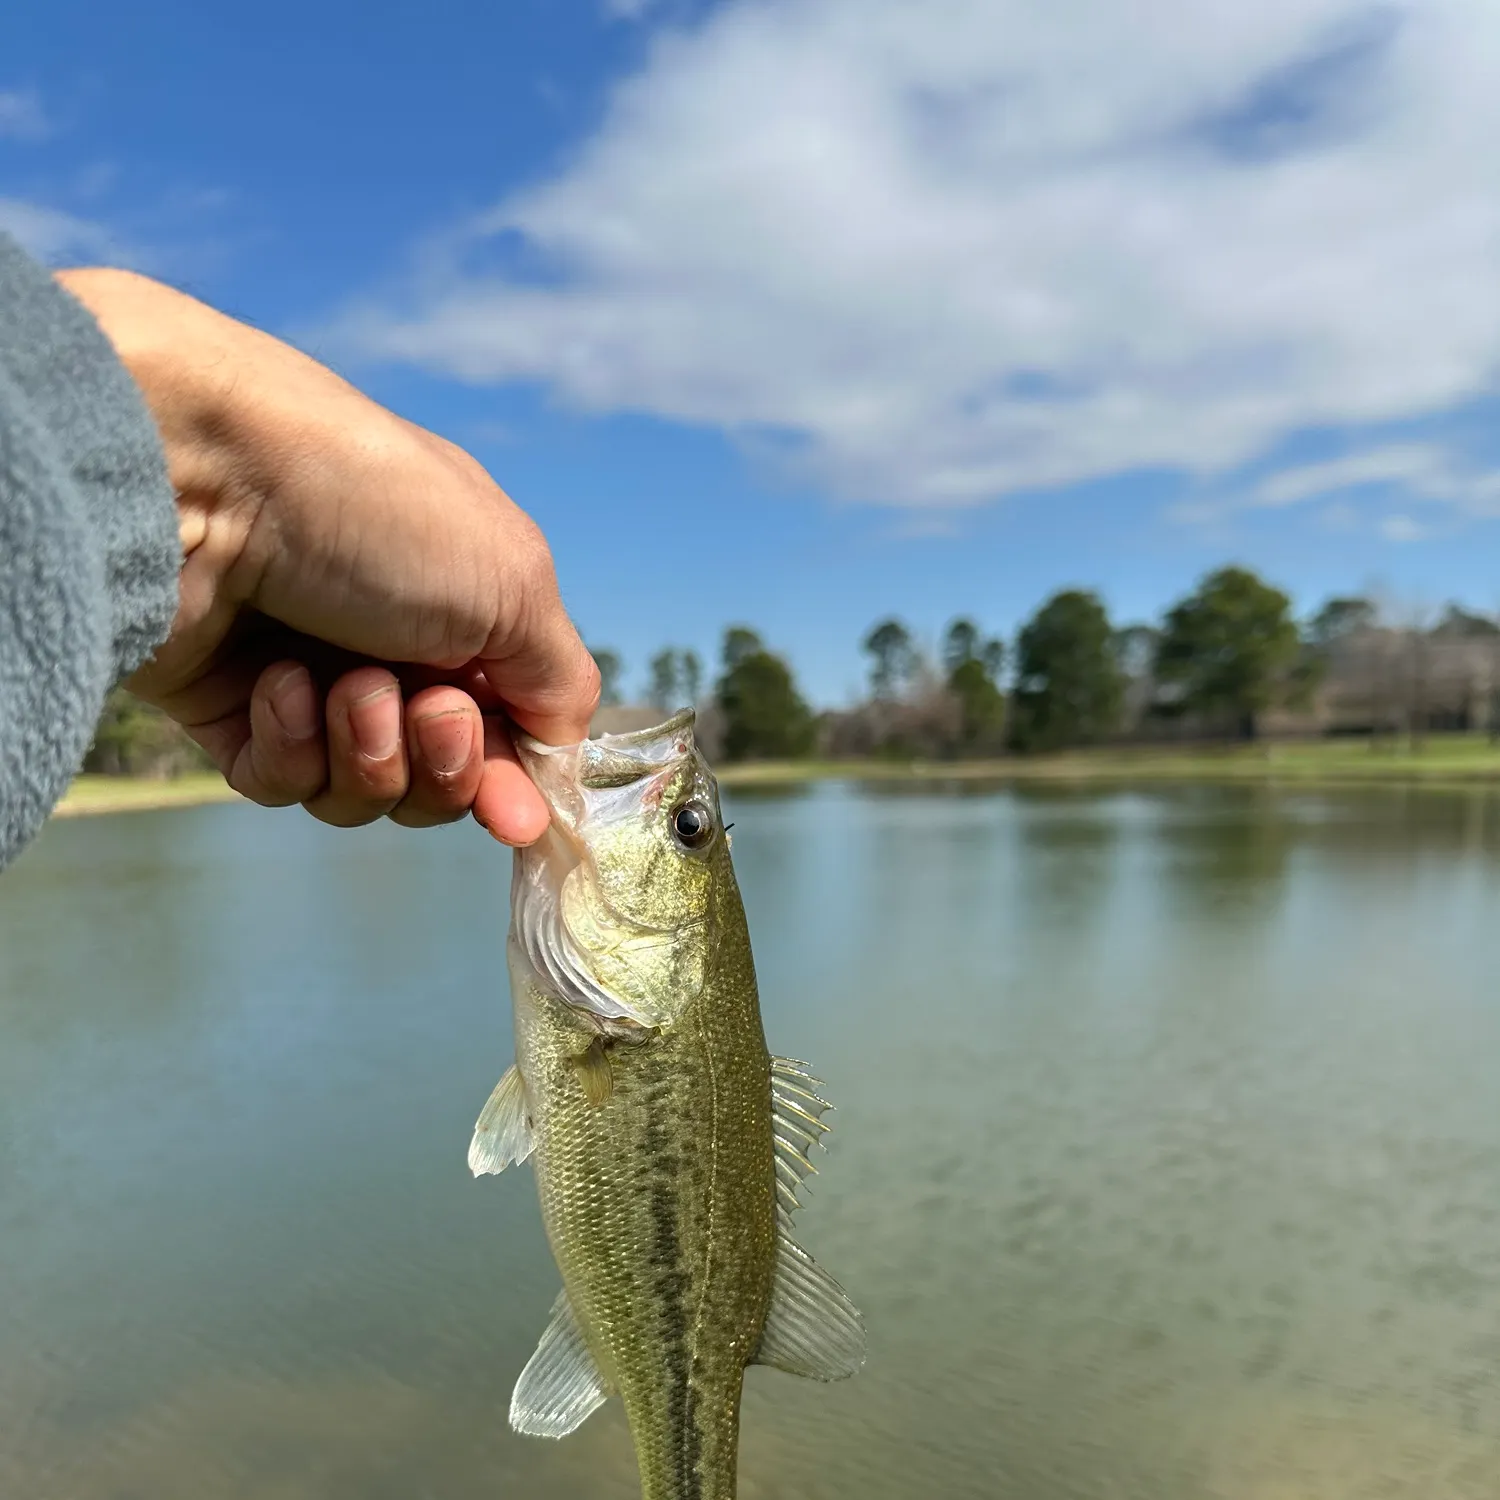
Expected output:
(812, 1328)
(595, 1073)
(503, 1134)
(561, 1383)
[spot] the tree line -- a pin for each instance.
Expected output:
(1215, 665)
(1219, 662)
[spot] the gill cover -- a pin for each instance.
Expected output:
(609, 909)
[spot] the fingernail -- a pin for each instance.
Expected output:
(500, 838)
(294, 704)
(376, 722)
(447, 740)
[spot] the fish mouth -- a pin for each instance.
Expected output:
(682, 721)
(630, 739)
(577, 781)
(608, 761)
(564, 774)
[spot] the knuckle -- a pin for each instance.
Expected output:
(360, 794)
(450, 803)
(531, 556)
(591, 685)
(282, 780)
(524, 541)
(442, 796)
(379, 783)
(339, 812)
(267, 794)
(469, 467)
(409, 816)
(261, 794)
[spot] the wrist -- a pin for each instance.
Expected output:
(181, 356)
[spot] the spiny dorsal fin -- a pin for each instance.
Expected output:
(561, 1384)
(796, 1127)
(503, 1134)
(812, 1328)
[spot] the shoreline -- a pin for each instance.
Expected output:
(1455, 762)
(1230, 768)
(90, 796)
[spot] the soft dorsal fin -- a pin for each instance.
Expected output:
(503, 1134)
(796, 1127)
(812, 1328)
(561, 1383)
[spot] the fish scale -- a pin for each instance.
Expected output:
(647, 1101)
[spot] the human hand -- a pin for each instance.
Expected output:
(361, 606)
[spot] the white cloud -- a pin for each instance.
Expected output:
(1340, 517)
(56, 237)
(1425, 473)
(21, 116)
(1420, 471)
(1402, 529)
(1415, 466)
(932, 254)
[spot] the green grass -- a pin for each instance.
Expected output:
(1440, 759)
(106, 794)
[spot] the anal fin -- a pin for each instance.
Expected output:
(812, 1328)
(503, 1133)
(561, 1384)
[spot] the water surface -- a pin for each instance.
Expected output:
(1166, 1166)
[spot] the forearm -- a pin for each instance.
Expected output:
(88, 539)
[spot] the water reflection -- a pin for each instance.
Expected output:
(1166, 1164)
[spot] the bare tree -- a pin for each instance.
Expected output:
(1492, 679)
(690, 668)
(893, 658)
(664, 678)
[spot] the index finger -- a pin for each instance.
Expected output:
(548, 683)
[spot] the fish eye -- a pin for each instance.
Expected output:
(693, 825)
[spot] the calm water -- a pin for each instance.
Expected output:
(1167, 1164)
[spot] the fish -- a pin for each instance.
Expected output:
(669, 1146)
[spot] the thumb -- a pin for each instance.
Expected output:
(546, 678)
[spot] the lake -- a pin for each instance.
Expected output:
(1166, 1163)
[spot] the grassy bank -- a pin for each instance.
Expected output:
(1442, 760)
(1439, 760)
(110, 794)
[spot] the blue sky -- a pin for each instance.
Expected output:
(799, 312)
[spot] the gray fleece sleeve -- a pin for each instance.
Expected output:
(89, 552)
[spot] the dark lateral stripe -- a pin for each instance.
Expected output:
(670, 1285)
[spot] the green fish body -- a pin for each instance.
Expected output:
(667, 1142)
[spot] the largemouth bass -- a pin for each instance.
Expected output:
(668, 1143)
